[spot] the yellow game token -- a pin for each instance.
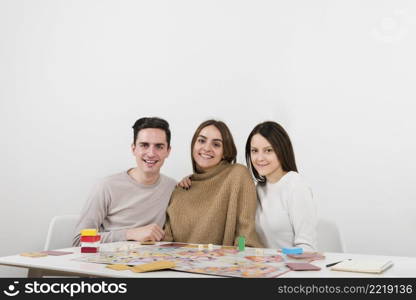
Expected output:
(89, 232)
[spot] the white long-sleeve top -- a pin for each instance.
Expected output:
(286, 214)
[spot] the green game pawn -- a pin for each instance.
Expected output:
(241, 243)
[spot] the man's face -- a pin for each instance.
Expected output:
(150, 150)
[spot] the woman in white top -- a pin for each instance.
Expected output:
(286, 213)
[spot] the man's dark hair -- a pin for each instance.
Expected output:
(152, 122)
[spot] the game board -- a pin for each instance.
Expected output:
(221, 261)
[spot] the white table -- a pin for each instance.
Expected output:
(403, 267)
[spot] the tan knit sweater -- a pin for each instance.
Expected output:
(219, 207)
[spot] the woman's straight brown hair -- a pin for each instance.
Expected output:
(230, 150)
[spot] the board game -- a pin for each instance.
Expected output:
(218, 260)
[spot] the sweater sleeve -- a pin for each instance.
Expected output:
(246, 210)
(303, 215)
(168, 237)
(92, 215)
(168, 231)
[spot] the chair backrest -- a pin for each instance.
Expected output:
(61, 232)
(329, 236)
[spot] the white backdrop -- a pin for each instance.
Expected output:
(339, 75)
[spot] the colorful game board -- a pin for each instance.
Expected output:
(221, 261)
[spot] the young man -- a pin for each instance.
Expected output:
(132, 205)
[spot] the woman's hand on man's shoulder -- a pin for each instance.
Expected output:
(185, 183)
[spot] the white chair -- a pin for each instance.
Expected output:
(61, 232)
(60, 235)
(329, 236)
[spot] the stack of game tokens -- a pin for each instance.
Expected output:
(90, 241)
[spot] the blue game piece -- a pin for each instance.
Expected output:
(292, 250)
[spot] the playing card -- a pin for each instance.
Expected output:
(302, 267)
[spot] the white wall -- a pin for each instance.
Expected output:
(339, 75)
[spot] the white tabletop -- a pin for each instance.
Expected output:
(403, 267)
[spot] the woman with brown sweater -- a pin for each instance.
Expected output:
(221, 204)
